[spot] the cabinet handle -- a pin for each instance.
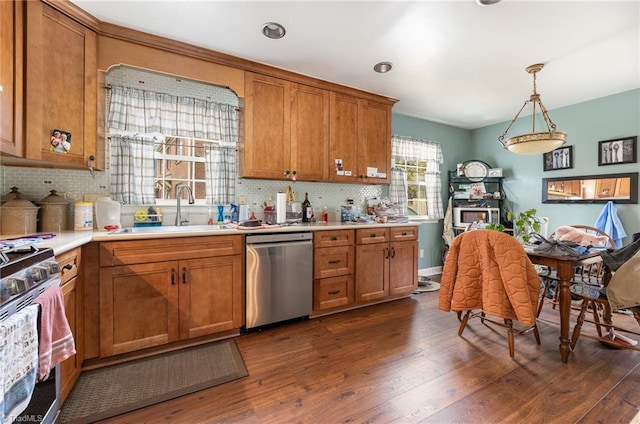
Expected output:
(334, 238)
(173, 276)
(386, 253)
(334, 292)
(184, 275)
(404, 234)
(68, 267)
(335, 261)
(373, 235)
(286, 173)
(393, 252)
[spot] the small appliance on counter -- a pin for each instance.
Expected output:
(107, 214)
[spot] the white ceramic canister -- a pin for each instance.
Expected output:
(54, 213)
(83, 216)
(107, 213)
(19, 217)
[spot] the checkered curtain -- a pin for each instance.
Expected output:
(220, 166)
(134, 111)
(132, 169)
(409, 148)
(398, 189)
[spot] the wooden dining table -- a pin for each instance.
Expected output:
(564, 266)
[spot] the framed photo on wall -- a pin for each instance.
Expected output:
(617, 151)
(560, 158)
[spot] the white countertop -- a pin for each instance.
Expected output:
(68, 240)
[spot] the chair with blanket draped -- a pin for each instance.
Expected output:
(487, 274)
(591, 274)
(619, 289)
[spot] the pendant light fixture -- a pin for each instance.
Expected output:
(534, 142)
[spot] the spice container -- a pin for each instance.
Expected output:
(54, 213)
(83, 216)
(19, 216)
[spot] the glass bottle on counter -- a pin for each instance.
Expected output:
(307, 209)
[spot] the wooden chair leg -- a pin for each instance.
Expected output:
(536, 333)
(463, 322)
(512, 349)
(578, 327)
(596, 317)
(543, 295)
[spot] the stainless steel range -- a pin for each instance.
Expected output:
(25, 273)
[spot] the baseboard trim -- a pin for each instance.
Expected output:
(430, 271)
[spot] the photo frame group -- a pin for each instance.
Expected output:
(617, 151)
(560, 158)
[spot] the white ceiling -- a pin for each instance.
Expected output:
(455, 62)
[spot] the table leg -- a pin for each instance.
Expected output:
(565, 272)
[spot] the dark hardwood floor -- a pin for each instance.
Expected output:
(402, 362)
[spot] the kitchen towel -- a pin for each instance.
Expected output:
(56, 341)
(281, 208)
(609, 222)
(18, 361)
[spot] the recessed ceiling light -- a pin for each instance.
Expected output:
(487, 2)
(273, 30)
(383, 67)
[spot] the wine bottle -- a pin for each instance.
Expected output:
(307, 210)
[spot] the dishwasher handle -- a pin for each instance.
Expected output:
(279, 244)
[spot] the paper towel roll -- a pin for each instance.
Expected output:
(281, 208)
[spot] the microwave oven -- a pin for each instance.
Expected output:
(465, 216)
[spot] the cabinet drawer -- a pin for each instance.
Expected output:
(333, 238)
(333, 292)
(160, 250)
(330, 262)
(372, 235)
(404, 233)
(69, 263)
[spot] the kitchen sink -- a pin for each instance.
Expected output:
(169, 229)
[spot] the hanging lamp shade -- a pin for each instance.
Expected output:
(535, 142)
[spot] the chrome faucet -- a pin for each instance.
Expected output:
(179, 187)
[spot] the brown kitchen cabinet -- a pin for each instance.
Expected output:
(72, 292)
(386, 262)
(286, 130)
(156, 292)
(11, 77)
(333, 267)
(60, 80)
(360, 138)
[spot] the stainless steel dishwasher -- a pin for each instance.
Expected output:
(279, 276)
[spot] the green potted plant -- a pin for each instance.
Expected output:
(526, 224)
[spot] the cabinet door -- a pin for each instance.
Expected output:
(11, 47)
(267, 148)
(375, 147)
(61, 85)
(70, 368)
(211, 295)
(345, 122)
(372, 271)
(138, 307)
(309, 133)
(403, 267)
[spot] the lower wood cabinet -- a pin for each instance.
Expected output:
(71, 281)
(386, 262)
(145, 305)
(353, 267)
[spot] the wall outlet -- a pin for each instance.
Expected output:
(422, 253)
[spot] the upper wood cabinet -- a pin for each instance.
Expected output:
(60, 70)
(11, 47)
(286, 130)
(360, 140)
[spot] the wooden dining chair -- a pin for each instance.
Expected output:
(592, 274)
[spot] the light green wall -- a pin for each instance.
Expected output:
(456, 143)
(585, 123)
